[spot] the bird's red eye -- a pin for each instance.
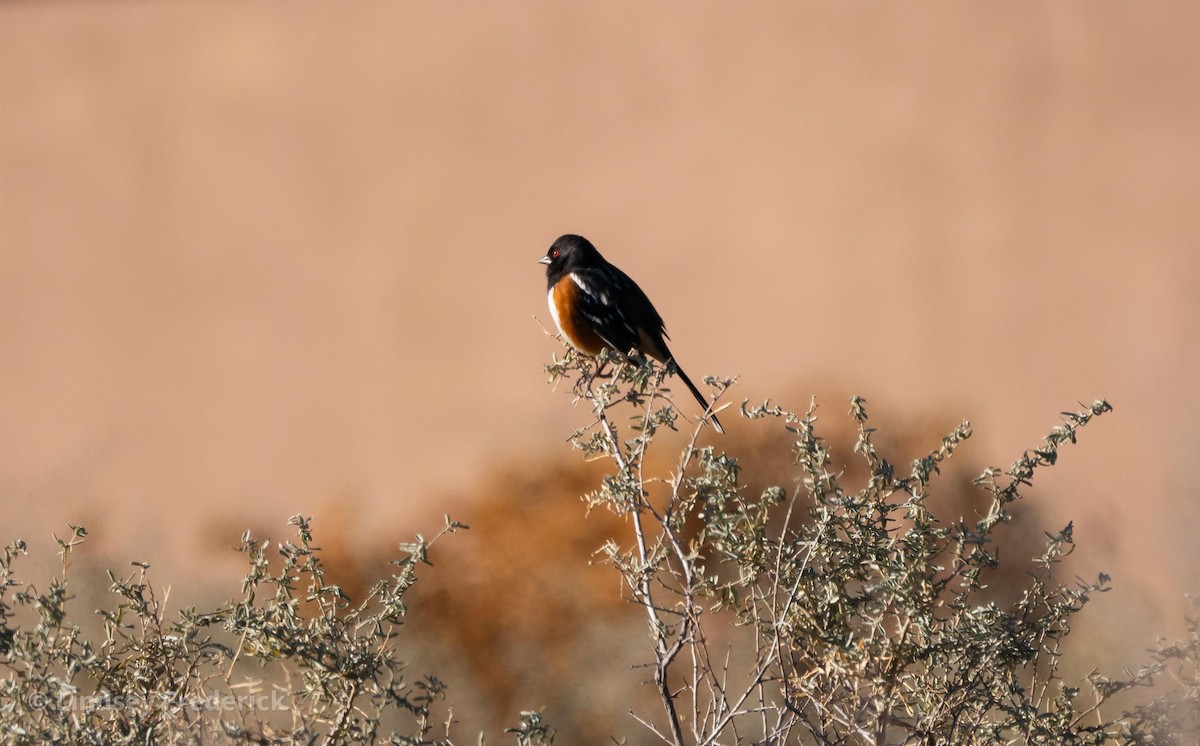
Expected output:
(554, 253)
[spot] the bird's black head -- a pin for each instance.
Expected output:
(568, 253)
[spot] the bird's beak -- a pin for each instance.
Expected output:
(544, 260)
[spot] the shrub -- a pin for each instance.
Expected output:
(849, 614)
(290, 660)
(845, 606)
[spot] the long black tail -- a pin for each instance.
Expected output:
(704, 403)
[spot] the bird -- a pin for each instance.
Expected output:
(595, 305)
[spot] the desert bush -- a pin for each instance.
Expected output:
(291, 660)
(838, 601)
(525, 611)
(849, 613)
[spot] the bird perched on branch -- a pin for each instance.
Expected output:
(595, 305)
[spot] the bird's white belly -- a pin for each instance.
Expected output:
(554, 310)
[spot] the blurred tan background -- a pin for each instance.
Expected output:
(262, 260)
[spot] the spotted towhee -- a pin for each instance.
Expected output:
(595, 305)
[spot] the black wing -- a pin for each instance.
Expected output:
(617, 308)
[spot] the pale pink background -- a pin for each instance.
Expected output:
(261, 260)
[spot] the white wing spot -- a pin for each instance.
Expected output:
(585, 288)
